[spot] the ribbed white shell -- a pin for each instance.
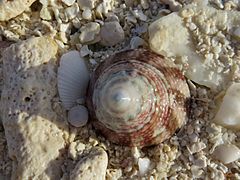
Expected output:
(73, 78)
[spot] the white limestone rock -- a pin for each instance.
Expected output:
(35, 133)
(87, 4)
(11, 9)
(68, 2)
(91, 167)
(90, 33)
(170, 36)
(228, 114)
(227, 153)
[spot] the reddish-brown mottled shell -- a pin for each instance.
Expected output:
(156, 104)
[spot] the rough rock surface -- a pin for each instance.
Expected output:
(91, 167)
(191, 22)
(36, 135)
(11, 9)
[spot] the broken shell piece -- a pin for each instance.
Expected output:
(228, 114)
(78, 116)
(227, 153)
(143, 165)
(73, 77)
(11, 9)
(137, 98)
(136, 42)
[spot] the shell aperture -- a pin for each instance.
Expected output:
(137, 98)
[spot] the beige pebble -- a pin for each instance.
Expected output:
(68, 2)
(11, 9)
(228, 114)
(87, 14)
(84, 4)
(45, 13)
(93, 166)
(236, 32)
(90, 33)
(72, 11)
(111, 33)
(227, 153)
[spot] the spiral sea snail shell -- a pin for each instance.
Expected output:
(137, 98)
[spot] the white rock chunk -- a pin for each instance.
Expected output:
(166, 40)
(35, 133)
(87, 4)
(72, 11)
(78, 116)
(73, 78)
(228, 114)
(68, 2)
(111, 33)
(173, 4)
(227, 153)
(11, 9)
(139, 15)
(45, 13)
(90, 33)
(143, 165)
(87, 14)
(92, 167)
(84, 51)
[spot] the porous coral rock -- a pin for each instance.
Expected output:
(91, 167)
(11, 9)
(35, 133)
(202, 67)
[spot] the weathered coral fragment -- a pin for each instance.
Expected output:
(11, 9)
(36, 135)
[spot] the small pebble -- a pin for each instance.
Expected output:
(136, 42)
(87, 14)
(143, 165)
(111, 33)
(78, 116)
(89, 33)
(227, 153)
(68, 2)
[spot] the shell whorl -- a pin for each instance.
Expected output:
(137, 98)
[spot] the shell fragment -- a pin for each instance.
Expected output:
(227, 153)
(228, 114)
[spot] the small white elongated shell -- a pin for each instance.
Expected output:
(73, 77)
(227, 153)
(228, 114)
(78, 116)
